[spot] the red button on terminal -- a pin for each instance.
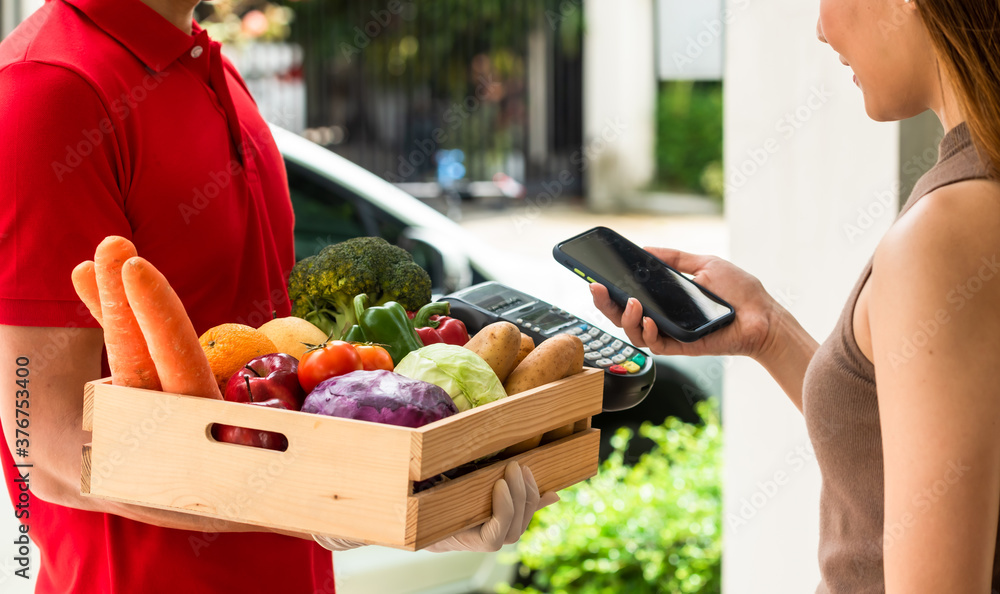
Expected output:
(618, 370)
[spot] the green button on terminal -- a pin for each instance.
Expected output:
(639, 359)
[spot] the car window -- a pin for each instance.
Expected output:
(478, 276)
(326, 213)
(322, 216)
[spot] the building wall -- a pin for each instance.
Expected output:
(29, 6)
(619, 96)
(812, 186)
(7, 16)
(690, 39)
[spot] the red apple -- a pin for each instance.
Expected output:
(253, 437)
(265, 377)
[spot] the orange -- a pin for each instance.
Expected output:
(231, 346)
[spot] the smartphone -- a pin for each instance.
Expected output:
(680, 307)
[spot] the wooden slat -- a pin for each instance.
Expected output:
(88, 404)
(85, 471)
(338, 477)
(467, 501)
(489, 428)
(154, 449)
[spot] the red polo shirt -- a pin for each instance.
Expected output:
(115, 122)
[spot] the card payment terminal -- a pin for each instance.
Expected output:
(628, 372)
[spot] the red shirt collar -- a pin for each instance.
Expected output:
(146, 34)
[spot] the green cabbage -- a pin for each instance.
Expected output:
(464, 375)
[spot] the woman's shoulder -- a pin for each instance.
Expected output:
(949, 233)
(965, 213)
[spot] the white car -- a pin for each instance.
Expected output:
(335, 200)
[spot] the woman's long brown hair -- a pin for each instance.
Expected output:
(966, 35)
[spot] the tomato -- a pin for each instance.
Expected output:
(327, 360)
(374, 357)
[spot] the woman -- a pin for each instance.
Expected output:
(900, 400)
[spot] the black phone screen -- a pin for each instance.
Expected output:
(640, 275)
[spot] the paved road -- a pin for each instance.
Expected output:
(532, 233)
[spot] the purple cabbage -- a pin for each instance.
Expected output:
(381, 397)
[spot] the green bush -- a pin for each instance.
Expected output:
(689, 137)
(654, 527)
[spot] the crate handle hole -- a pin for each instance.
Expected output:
(244, 436)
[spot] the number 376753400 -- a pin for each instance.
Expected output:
(22, 419)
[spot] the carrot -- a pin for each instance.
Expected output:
(85, 283)
(180, 361)
(128, 356)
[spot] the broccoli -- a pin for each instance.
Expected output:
(322, 287)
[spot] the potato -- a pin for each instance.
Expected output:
(498, 344)
(524, 446)
(559, 433)
(527, 345)
(576, 363)
(575, 366)
(556, 358)
(548, 362)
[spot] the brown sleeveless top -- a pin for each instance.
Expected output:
(840, 404)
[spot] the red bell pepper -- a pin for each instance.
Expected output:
(433, 328)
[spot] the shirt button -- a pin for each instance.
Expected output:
(196, 51)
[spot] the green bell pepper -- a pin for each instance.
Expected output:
(387, 325)
(354, 334)
(422, 319)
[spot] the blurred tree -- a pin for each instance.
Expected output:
(240, 21)
(651, 528)
(689, 137)
(402, 80)
(390, 83)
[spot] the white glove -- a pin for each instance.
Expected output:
(515, 501)
(336, 544)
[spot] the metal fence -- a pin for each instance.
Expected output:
(467, 96)
(273, 74)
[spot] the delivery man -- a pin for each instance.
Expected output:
(121, 117)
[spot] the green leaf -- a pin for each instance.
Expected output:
(655, 527)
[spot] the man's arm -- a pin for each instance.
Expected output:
(61, 361)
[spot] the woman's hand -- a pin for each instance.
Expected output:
(751, 333)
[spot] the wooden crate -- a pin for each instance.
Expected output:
(338, 477)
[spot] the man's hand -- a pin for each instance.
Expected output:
(515, 501)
